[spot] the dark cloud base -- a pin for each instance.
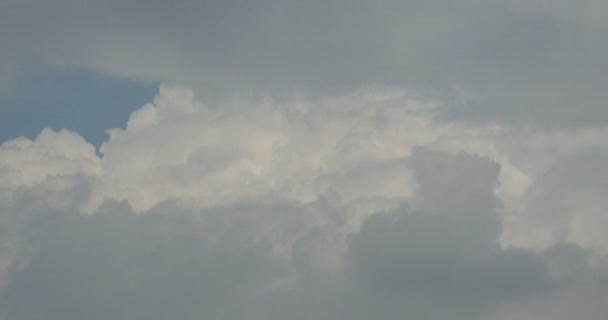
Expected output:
(443, 263)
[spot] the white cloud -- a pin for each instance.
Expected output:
(349, 149)
(299, 150)
(267, 195)
(24, 163)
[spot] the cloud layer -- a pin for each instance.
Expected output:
(540, 61)
(363, 205)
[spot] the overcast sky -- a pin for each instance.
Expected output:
(334, 159)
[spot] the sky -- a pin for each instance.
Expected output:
(266, 159)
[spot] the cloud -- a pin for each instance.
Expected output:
(538, 62)
(298, 150)
(26, 163)
(271, 207)
(268, 261)
(447, 261)
(565, 203)
(334, 160)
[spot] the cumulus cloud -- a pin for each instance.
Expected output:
(26, 163)
(333, 160)
(363, 205)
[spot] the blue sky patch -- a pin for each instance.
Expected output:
(80, 100)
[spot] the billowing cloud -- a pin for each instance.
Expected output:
(363, 205)
(26, 163)
(333, 160)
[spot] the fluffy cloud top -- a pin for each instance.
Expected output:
(366, 205)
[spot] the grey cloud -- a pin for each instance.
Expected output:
(531, 61)
(443, 262)
(449, 255)
(438, 266)
(447, 262)
(122, 266)
(568, 201)
(455, 182)
(420, 265)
